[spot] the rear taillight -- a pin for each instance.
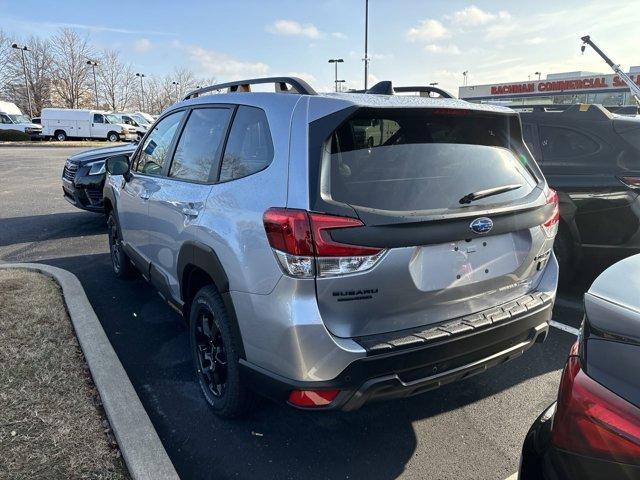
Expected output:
(304, 248)
(550, 226)
(631, 182)
(312, 398)
(593, 421)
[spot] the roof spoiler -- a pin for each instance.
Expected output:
(386, 88)
(282, 85)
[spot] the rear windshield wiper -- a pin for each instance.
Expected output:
(489, 192)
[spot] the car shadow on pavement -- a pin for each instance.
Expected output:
(50, 226)
(276, 441)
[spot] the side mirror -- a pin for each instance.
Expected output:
(118, 165)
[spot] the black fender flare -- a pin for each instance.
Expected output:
(197, 254)
(204, 257)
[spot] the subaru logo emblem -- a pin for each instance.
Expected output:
(481, 225)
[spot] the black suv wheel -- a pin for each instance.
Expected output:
(215, 347)
(119, 260)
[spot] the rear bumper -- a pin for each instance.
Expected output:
(413, 369)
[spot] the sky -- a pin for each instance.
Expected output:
(411, 42)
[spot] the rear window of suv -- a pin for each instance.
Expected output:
(413, 160)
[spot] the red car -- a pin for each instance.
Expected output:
(592, 431)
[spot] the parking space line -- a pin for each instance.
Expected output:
(564, 328)
(512, 477)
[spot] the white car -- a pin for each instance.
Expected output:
(64, 123)
(11, 118)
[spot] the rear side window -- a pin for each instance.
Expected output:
(199, 146)
(559, 142)
(156, 145)
(410, 160)
(249, 147)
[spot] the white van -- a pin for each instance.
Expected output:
(64, 123)
(11, 118)
(140, 123)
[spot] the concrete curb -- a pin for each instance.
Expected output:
(139, 443)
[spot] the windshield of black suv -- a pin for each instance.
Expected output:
(408, 160)
(20, 119)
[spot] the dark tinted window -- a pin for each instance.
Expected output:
(199, 145)
(97, 118)
(249, 148)
(425, 160)
(530, 135)
(156, 145)
(564, 142)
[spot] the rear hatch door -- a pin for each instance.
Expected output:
(455, 200)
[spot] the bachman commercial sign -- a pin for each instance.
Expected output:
(541, 87)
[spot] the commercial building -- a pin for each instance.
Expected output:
(560, 88)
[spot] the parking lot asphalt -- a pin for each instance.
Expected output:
(469, 430)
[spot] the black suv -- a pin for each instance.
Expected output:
(591, 157)
(83, 176)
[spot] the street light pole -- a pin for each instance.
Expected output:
(141, 75)
(338, 82)
(464, 75)
(94, 64)
(538, 73)
(24, 48)
(176, 85)
(366, 43)
(336, 61)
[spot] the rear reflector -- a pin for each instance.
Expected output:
(312, 398)
(550, 227)
(303, 245)
(593, 421)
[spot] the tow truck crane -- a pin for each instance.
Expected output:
(634, 87)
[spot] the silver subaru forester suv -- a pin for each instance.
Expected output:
(331, 249)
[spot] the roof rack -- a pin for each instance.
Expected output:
(425, 89)
(385, 87)
(297, 85)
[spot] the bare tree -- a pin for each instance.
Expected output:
(117, 81)
(38, 63)
(5, 59)
(70, 70)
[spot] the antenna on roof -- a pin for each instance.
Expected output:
(381, 88)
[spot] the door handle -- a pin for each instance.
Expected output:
(144, 196)
(190, 212)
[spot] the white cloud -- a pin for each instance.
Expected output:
(448, 49)
(142, 45)
(293, 28)
(307, 77)
(218, 64)
(534, 41)
(473, 16)
(339, 35)
(427, 30)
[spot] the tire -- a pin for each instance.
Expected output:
(60, 136)
(113, 137)
(563, 248)
(215, 351)
(120, 262)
